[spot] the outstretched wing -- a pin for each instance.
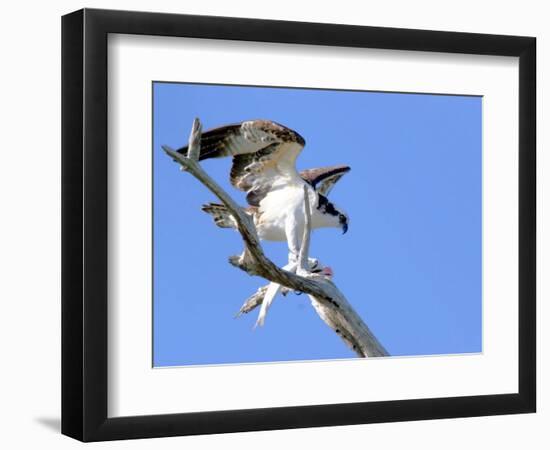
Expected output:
(324, 178)
(264, 154)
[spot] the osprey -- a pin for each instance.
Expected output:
(264, 156)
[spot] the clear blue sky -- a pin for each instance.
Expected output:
(410, 263)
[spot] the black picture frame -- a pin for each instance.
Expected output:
(84, 224)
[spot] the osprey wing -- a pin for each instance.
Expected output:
(264, 154)
(323, 179)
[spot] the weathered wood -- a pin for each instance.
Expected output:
(194, 148)
(329, 303)
(257, 299)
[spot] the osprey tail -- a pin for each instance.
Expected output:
(222, 217)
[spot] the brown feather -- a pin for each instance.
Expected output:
(256, 147)
(325, 177)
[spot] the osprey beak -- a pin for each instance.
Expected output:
(344, 228)
(343, 223)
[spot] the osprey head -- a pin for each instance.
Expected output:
(331, 215)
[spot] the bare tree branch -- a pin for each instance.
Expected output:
(331, 305)
(194, 149)
(257, 299)
(253, 301)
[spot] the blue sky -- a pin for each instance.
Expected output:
(410, 263)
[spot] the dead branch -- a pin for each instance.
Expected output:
(330, 304)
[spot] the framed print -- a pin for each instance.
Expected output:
(377, 184)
